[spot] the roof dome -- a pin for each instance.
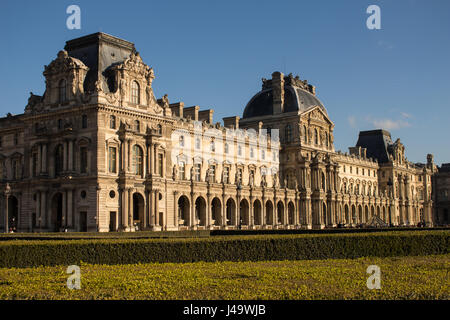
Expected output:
(298, 96)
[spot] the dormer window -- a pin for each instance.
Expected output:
(135, 92)
(62, 91)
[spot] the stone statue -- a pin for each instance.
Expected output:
(175, 172)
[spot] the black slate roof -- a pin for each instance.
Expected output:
(376, 142)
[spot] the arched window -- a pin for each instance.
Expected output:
(134, 92)
(59, 154)
(326, 139)
(159, 129)
(62, 91)
(316, 137)
(138, 163)
(288, 133)
(112, 122)
(306, 134)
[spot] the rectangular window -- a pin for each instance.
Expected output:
(239, 175)
(182, 171)
(84, 121)
(212, 173)
(15, 169)
(197, 168)
(112, 160)
(34, 160)
(226, 175)
(83, 159)
(160, 164)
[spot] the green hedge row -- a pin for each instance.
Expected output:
(104, 235)
(251, 248)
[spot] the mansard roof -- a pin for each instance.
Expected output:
(377, 143)
(298, 96)
(98, 52)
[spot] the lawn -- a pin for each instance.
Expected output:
(420, 277)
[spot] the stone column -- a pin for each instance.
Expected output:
(45, 222)
(175, 206)
(40, 165)
(251, 218)
(224, 212)
(44, 159)
(69, 221)
(125, 208)
(65, 155)
(38, 208)
(130, 208)
(70, 160)
(208, 211)
(157, 208)
(148, 208)
(64, 209)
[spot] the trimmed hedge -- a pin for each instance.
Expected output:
(21, 253)
(104, 235)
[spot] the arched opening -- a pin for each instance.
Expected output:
(135, 94)
(280, 212)
(231, 210)
(183, 211)
(138, 210)
(291, 213)
(57, 212)
(244, 212)
(216, 212)
(372, 211)
(13, 213)
(200, 211)
(324, 214)
(378, 213)
(269, 213)
(257, 212)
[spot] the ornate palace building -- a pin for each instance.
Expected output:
(98, 152)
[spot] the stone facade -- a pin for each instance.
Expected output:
(441, 183)
(98, 152)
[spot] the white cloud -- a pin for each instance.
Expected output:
(352, 121)
(406, 115)
(389, 124)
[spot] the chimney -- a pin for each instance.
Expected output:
(278, 92)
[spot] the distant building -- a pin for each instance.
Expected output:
(442, 195)
(98, 152)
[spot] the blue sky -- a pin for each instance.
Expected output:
(214, 54)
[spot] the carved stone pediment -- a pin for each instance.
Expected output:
(63, 64)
